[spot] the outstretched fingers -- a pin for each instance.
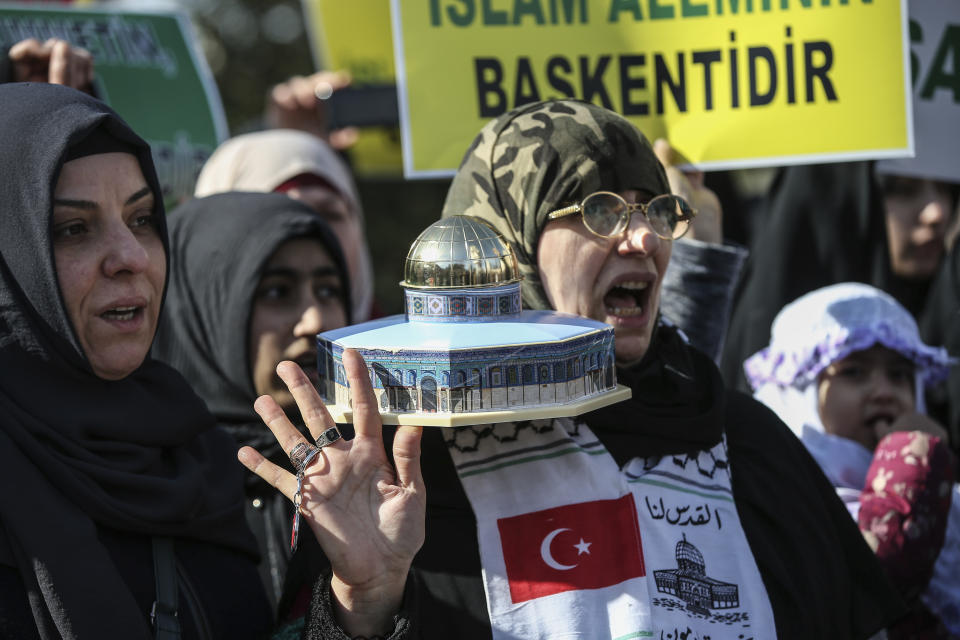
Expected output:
(277, 477)
(312, 409)
(276, 420)
(406, 457)
(367, 423)
(287, 435)
(366, 416)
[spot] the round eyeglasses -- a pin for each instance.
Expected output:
(607, 214)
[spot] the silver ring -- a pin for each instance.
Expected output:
(328, 437)
(300, 454)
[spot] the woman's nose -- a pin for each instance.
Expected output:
(125, 253)
(311, 320)
(640, 237)
(934, 212)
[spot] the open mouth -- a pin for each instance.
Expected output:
(880, 421)
(122, 314)
(627, 299)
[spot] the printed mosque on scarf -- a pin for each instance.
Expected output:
(573, 546)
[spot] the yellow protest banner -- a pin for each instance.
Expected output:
(731, 83)
(355, 36)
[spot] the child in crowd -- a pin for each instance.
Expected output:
(846, 370)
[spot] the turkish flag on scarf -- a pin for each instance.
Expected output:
(577, 546)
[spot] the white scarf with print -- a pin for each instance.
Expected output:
(573, 547)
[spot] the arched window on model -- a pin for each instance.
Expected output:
(528, 376)
(476, 385)
(458, 381)
(428, 394)
(444, 391)
(410, 382)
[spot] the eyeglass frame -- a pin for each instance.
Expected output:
(631, 208)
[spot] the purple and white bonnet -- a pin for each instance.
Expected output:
(831, 323)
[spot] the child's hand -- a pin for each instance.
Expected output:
(912, 421)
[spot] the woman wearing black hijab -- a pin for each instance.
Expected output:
(255, 277)
(941, 325)
(110, 464)
(824, 224)
(799, 567)
(849, 222)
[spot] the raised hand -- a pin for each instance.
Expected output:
(689, 185)
(54, 61)
(367, 515)
(299, 103)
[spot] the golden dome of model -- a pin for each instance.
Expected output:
(459, 252)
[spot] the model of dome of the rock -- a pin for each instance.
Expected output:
(465, 352)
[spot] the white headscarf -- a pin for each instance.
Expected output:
(264, 160)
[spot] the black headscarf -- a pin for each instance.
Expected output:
(940, 324)
(219, 246)
(6, 67)
(78, 452)
(823, 224)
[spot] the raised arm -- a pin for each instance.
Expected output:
(54, 61)
(367, 514)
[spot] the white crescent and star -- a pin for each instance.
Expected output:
(582, 548)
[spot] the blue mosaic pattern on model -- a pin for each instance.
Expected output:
(464, 305)
(399, 375)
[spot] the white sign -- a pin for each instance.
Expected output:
(935, 65)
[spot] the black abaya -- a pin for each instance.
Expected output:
(822, 224)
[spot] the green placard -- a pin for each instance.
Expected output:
(149, 70)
